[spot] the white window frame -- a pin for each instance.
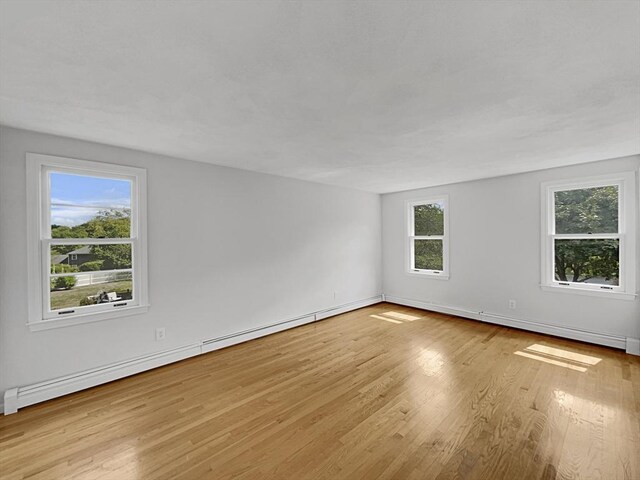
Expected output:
(626, 183)
(411, 237)
(39, 241)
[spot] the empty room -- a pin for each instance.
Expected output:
(299, 240)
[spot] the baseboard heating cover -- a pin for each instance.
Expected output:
(624, 343)
(19, 397)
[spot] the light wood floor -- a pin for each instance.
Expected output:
(382, 392)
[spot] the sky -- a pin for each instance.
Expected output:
(76, 199)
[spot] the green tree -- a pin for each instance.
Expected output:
(428, 220)
(581, 260)
(106, 224)
(109, 224)
(113, 257)
(428, 254)
(585, 211)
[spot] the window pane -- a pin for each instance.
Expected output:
(587, 210)
(428, 254)
(588, 261)
(84, 289)
(429, 219)
(89, 207)
(90, 258)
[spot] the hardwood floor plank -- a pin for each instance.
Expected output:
(386, 392)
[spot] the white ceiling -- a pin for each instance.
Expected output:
(376, 95)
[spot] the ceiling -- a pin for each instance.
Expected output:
(380, 96)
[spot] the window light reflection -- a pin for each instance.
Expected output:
(431, 361)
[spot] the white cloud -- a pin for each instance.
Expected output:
(72, 216)
(103, 203)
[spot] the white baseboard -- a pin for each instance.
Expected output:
(459, 312)
(16, 398)
(23, 396)
(347, 307)
(565, 332)
(239, 337)
(244, 336)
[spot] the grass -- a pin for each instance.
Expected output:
(71, 298)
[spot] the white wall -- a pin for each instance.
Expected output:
(229, 250)
(495, 253)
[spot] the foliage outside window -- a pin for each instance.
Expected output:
(428, 249)
(90, 239)
(585, 236)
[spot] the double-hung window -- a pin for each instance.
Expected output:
(87, 241)
(428, 241)
(588, 243)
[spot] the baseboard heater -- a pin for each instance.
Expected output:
(243, 336)
(631, 345)
(20, 397)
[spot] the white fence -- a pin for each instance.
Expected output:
(96, 278)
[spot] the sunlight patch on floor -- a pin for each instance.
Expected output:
(557, 352)
(559, 357)
(401, 316)
(551, 361)
(395, 317)
(390, 320)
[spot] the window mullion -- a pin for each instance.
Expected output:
(46, 271)
(89, 241)
(586, 236)
(89, 272)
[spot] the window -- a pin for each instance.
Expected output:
(87, 241)
(428, 248)
(586, 247)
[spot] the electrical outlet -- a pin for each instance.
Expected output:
(160, 334)
(512, 304)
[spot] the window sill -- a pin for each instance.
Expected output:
(436, 276)
(591, 293)
(87, 318)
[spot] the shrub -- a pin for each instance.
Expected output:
(91, 266)
(64, 283)
(87, 301)
(63, 268)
